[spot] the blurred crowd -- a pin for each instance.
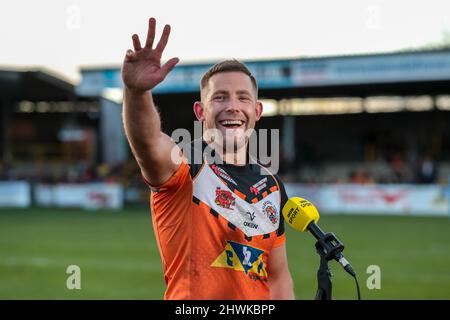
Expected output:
(424, 170)
(127, 174)
(397, 170)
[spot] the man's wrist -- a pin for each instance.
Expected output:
(135, 91)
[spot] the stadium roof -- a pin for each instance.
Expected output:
(17, 85)
(411, 72)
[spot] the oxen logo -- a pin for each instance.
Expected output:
(270, 211)
(251, 215)
(224, 198)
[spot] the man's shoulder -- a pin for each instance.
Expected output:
(193, 152)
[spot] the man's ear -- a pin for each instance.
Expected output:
(199, 111)
(259, 110)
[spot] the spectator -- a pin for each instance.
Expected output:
(427, 172)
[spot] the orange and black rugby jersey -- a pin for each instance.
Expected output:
(215, 225)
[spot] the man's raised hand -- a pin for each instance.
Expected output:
(142, 70)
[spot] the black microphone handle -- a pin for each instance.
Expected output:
(315, 230)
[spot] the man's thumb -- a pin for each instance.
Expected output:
(169, 65)
(130, 56)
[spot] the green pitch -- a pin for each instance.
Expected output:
(118, 257)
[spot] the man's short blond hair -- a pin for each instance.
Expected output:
(227, 66)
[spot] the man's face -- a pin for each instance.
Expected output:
(229, 104)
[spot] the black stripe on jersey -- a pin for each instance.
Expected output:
(266, 236)
(196, 200)
(280, 230)
(248, 238)
(232, 226)
(214, 212)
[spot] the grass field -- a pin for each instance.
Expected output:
(118, 257)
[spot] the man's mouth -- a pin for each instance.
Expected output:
(232, 124)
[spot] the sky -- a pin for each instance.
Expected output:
(64, 35)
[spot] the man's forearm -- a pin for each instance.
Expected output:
(141, 121)
(281, 287)
(141, 72)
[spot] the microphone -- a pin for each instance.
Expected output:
(302, 215)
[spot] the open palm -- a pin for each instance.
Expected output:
(142, 68)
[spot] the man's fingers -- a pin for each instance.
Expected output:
(130, 55)
(164, 38)
(136, 42)
(150, 33)
(168, 66)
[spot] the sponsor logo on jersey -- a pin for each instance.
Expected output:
(241, 257)
(256, 278)
(257, 187)
(270, 211)
(251, 215)
(223, 174)
(250, 225)
(224, 198)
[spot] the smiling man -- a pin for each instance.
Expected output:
(229, 109)
(218, 224)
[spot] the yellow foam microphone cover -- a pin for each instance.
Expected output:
(299, 213)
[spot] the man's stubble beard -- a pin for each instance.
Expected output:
(228, 144)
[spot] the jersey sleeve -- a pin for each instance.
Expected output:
(170, 200)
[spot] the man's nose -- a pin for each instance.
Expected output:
(233, 105)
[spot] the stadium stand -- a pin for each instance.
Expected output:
(365, 119)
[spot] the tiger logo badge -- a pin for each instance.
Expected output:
(270, 211)
(225, 199)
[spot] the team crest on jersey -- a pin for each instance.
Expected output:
(225, 199)
(241, 257)
(270, 211)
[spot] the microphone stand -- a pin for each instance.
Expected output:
(327, 247)
(324, 285)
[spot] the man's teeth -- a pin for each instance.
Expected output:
(232, 122)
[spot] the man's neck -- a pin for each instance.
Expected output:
(237, 157)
